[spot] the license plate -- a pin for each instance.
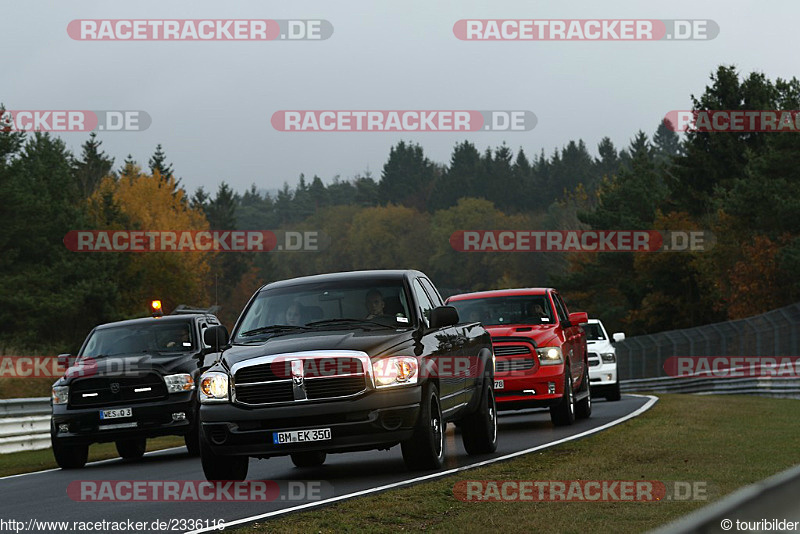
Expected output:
(301, 436)
(499, 384)
(114, 414)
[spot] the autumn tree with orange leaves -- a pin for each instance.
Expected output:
(152, 202)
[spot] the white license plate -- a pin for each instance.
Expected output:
(301, 436)
(499, 384)
(115, 414)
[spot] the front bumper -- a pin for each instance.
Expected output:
(151, 419)
(542, 387)
(604, 374)
(375, 420)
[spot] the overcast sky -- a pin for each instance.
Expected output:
(211, 102)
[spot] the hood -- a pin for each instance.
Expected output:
(600, 345)
(541, 334)
(134, 364)
(372, 343)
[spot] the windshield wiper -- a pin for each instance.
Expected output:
(275, 328)
(354, 322)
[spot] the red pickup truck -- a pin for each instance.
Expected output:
(540, 350)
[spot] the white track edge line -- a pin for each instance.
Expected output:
(439, 474)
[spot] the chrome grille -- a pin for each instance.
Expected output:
(277, 381)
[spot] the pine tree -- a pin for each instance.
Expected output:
(159, 163)
(92, 167)
(129, 167)
(666, 143)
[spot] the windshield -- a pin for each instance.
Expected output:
(141, 338)
(336, 304)
(521, 309)
(593, 332)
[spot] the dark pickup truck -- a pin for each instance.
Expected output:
(345, 362)
(130, 381)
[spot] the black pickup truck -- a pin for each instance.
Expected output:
(345, 362)
(131, 380)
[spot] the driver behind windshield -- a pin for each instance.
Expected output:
(375, 304)
(178, 339)
(294, 315)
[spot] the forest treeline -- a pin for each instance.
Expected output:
(742, 187)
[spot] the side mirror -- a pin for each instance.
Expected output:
(216, 337)
(618, 336)
(442, 316)
(64, 360)
(577, 318)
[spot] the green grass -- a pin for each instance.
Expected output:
(28, 461)
(725, 441)
(17, 388)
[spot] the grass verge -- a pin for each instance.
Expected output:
(18, 388)
(27, 461)
(725, 441)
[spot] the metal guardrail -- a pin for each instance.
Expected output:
(24, 424)
(767, 386)
(775, 333)
(772, 499)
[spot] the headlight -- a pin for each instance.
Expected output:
(549, 355)
(395, 371)
(60, 394)
(178, 383)
(214, 387)
(608, 357)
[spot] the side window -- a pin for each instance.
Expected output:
(432, 293)
(563, 304)
(422, 299)
(203, 327)
(562, 314)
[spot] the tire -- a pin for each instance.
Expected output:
(583, 408)
(70, 456)
(614, 394)
(425, 449)
(216, 467)
(479, 429)
(131, 449)
(192, 440)
(309, 459)
(563, 413)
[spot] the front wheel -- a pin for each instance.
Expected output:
(614, 394)
(425, 449)
(131, 449)
(563, 413)
(217, 467)
(70, 456)
(479, 429)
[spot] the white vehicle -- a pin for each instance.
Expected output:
(603, 375)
